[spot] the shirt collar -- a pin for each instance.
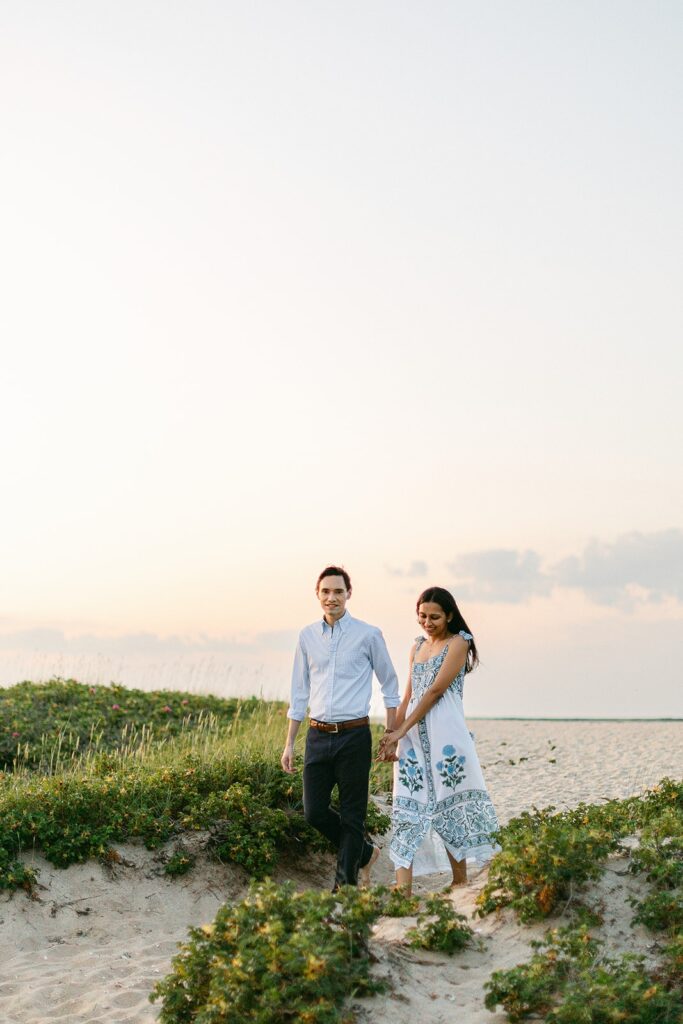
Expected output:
(341, 624)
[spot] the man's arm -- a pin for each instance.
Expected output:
(287, 759)
(298, 705)
(387, 751)
(386, 673)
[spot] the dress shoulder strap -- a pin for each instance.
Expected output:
(419, 640)
(465, 636)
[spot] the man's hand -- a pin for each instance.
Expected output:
(387, 750)
(287, 759)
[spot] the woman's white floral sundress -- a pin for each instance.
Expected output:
(440, 800)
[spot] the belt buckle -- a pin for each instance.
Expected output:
(334, 727)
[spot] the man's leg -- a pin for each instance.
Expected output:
(352, 773)
(319, 780)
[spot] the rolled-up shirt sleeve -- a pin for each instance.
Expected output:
(384, 670)
(301, 685)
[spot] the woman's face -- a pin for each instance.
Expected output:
(433, 620)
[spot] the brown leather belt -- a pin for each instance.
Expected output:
(339, 726)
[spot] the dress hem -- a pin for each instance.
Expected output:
(479, 854)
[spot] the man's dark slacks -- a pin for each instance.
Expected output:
(341, 758)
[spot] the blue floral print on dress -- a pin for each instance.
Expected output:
(410, 772)
(451, 769)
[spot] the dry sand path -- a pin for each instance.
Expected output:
(94, 944)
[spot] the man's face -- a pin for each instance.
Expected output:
(333, 595)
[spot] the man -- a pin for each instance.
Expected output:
(333, 666)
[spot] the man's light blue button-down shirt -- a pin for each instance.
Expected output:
(333, 670)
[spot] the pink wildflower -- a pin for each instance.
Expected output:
(166, 708)
(184, 702)
(15, 734)
(116, 707)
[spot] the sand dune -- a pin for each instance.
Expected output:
(95, 941)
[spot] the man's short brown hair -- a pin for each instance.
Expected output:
(334, 570)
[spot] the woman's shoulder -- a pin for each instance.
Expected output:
(452, 646)
(417, 644)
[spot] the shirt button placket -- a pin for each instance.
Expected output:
(333, 658)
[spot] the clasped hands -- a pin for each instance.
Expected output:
(387, 747)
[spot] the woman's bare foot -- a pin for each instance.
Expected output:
(453, 885)
(364, 872)
(404, 880)
(459, 872)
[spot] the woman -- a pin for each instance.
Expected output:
(440, 807)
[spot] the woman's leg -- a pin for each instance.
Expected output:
(404, 879)
(459, 870)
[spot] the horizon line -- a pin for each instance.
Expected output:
(573, 718)
(544, 718)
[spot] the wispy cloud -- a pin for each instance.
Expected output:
(635, 568)
(643, 566)
(500, 574)
(416, 568)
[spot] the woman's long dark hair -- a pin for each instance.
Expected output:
(446, 602)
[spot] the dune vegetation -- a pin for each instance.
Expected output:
(87, 768)
(278, 956)
(45, 723)
(545, 861)
(114, 765)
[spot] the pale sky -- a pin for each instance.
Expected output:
(390, 284)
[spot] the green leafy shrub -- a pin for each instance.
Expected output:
(78, 813)
(569, 981)
(543, 857)
(13, 874)
(534, 986)
(440, 927)
(546, 857)
(660, 856)
(179, 863)
(670, 973)
(41, 723)
(396, 903)
(666, 796)
(661, 911)
(246, 832)
(276, 957)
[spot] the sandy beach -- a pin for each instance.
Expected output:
(95, 941)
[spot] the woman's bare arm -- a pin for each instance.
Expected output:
(452, 664)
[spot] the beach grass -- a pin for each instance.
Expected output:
(43, 724)
(218, 770)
